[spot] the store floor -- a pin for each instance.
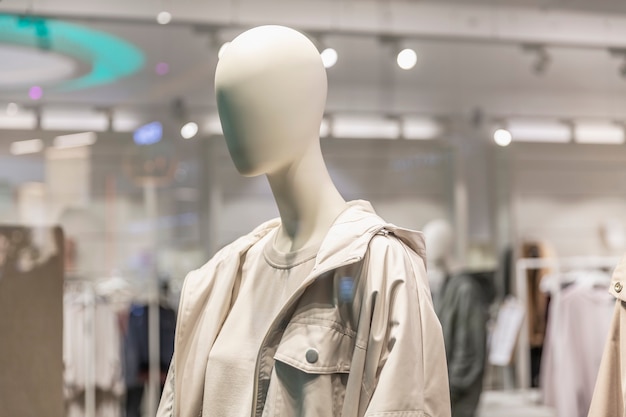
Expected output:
(513, 404)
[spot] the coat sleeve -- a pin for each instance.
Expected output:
(166, 405)
(405, 368)
(608, 399)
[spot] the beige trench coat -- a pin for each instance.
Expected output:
(609, 394)
(365, 311)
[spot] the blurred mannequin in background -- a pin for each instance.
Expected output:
(460, 306)
(440, 245)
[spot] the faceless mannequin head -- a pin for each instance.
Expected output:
(439, 250)
(439, 243)
(271, 88)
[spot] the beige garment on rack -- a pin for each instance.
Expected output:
(609, 394)
(537, 301)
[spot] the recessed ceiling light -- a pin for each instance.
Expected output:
(407, 58)
(189, 130)
(35, 92)
(75, 140)
(502, 137)
(329, 57)
(162, 68)
(164, 18)
(24, 147)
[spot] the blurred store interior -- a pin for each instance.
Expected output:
(504, 118)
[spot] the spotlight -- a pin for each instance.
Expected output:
(164, 18)
(35, 92)
(329, 57)
(542, 58)
(502, 137)
(189, 130)
(162, 68)
(406, 59)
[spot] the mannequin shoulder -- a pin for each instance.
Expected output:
(393, 267)
(231, 253)
(393, 238)
(395, 255)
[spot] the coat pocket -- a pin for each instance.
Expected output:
(316, 348)
(311, 371)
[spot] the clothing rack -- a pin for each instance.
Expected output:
(558, 265)
(86, 289)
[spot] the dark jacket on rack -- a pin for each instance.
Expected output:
(136, 343)
(462, 309)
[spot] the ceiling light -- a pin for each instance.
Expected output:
(23, 120)
(12, 109)
(35, 92)
(126, 121)
(539, 131)
(371, 127)
(324, 128)
(222, 49)
(421, 128)
(212, 125)
(162, 68)
(407, 58)
(599, 133)
(329, 57)
(24, 147)
(74, 119)
(189, 130)
(502, 137)
(75, 140)
(148, 134)
(164, 18)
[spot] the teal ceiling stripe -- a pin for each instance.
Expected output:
(109, 57)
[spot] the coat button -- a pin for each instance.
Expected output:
(618, 287)
(312, 355)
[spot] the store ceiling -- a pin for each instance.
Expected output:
(603, 6)
(457, 72)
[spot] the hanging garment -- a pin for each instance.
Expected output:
(462, 310)
(91, 339)
(609, 395)
(359, 337)
(577, 328)
(136, 342)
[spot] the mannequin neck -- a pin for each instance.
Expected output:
(307, 199)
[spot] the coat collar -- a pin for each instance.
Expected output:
(347, 238)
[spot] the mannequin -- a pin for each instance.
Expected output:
(287, 152)
(318, 312)
(440, 244)
(461, 307)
